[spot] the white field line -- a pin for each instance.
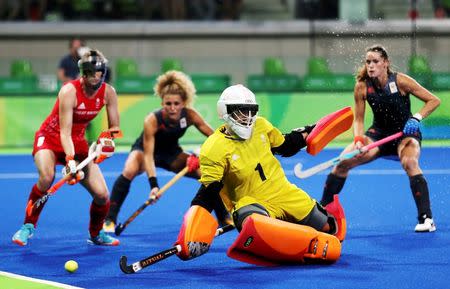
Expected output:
(20, 277)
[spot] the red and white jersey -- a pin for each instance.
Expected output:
(86, 109)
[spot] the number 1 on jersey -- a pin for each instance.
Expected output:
(261, 172)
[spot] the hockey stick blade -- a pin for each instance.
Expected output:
(334, 161)
(124, 267)
(320, 167)
(119, 228)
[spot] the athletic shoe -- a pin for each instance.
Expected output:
(335, 209)
(425, 225)
(26, 232)
(109, 226)
(103, 239)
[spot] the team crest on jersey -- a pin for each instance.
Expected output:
(97, 103)
(81, 106)
(234, 157)
(393, 87)
(183, 122)
(263, 138)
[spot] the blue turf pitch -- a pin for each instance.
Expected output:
(381, 249)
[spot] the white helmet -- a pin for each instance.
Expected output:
(238, 108)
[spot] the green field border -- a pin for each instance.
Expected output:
(20, 116)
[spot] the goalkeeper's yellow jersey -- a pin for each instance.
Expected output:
(251, 173)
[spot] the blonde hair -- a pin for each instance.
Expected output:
(94, 53)
(175, 82)
(362, 71)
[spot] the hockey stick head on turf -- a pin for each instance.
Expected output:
(119, 228)
(127, 269)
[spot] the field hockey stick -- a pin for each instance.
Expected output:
(139, 265)
(120, 227)
(59, 184)
(334, 161)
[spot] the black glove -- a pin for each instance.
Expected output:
(306, 128)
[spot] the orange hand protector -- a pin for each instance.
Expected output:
(328, 128)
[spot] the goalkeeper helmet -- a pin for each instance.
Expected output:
(238, 108)
(91, 62)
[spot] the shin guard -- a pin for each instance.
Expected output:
(97, 215)
(335, 209)
(196, 233)
(32, 214)
(268, 242)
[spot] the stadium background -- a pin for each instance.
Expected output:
(301, 67)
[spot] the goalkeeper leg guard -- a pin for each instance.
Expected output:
(196, 233)
(267, 241)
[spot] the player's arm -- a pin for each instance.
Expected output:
(293, 142)
(208, 196)
(67, 102)
(199, 122)
(150, 128)
(409, 85)
(105, 146)
(112, 108)
(213, 168)
(360, 107)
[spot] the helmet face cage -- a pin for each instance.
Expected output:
(240, 119)
(92, 65)
(243, 114)
(94, 62)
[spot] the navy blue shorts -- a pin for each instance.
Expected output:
(163, 159)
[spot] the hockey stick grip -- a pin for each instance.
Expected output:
(139, 265)
(381, 142)
(224, 229)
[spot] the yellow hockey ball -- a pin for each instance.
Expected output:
(71, 266)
